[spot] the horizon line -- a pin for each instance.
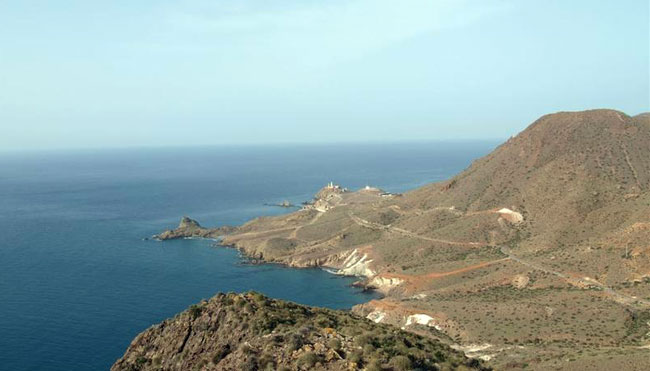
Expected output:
(247, 144)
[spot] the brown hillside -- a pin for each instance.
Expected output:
(538, 251)
(567, 173)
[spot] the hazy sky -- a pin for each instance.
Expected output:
(142, 73)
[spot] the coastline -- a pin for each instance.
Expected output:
(244, 256)
(489, 240)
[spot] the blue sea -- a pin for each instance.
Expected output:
(77, 279)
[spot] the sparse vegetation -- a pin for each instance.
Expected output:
(579, 180)
(401, 363)
(195, 311)
(308, 359)
(297, 339)
(221, 352)
(334, 344)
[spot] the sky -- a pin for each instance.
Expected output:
(89, 74)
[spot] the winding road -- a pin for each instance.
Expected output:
(624, 299)
(389, 228)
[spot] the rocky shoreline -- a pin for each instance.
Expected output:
(188, 228)
(341, 264)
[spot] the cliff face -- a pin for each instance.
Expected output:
(558, 214)
(252, 332)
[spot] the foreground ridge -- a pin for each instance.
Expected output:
(252, 332)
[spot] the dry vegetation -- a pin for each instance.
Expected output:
(568, 287)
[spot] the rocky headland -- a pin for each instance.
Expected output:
(190, 228)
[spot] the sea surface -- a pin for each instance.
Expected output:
(77, 279)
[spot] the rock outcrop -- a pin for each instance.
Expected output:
(188, 228)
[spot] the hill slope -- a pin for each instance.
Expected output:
(558, 214)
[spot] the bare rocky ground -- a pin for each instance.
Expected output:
(536, 256)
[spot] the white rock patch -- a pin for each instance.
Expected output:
(511, 216)
(376, 316)
(357, 265)
(476, 351)
(385, 282)
(520, 281)
(422, 319)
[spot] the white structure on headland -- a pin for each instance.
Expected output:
(331, 185)
(368, 188)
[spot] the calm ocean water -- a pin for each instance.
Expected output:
(77, 280)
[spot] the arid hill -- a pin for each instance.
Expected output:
(538, 254)
(252, 332)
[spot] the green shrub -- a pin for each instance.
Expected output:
(199, 365)
(356, 356)
(277, 339)
(246, 348)
(362, 340)
(267, 361)
(250, 364)
(259, 298)
(141, 361)
(221, 353)
(295, 342)
(308, 359)
(195, 311)
(401, 363)
(368, 349)
(334, 344)
(323, 321)
(374, 365)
